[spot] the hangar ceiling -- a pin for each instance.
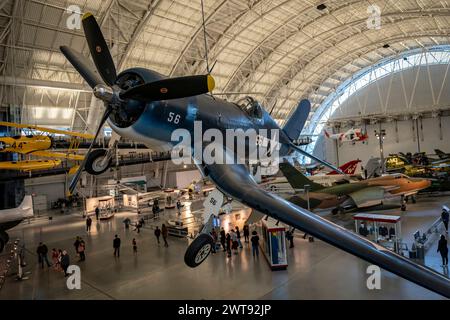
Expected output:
(278, 51)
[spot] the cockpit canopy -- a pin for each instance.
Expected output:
(252, 107)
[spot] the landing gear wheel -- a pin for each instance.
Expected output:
(403, 207)
(94, 162)
(198, 250)
(414, 200)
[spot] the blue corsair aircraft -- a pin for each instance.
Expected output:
(147, 107)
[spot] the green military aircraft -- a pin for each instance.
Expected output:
(359, 194)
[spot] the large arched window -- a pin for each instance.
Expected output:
(409, 59)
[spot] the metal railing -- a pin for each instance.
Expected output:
(427, 239)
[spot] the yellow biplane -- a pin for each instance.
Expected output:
(39, 144)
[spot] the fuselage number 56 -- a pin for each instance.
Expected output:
(175, 118)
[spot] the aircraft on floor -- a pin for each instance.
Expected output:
(442, 155)
(437, 170)
(280, 184)
(360, 194)
(145, 106)
(38, 145)
(11, 217)
(352, 135)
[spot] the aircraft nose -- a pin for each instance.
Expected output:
(427, 183)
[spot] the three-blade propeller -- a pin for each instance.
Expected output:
(103, 79)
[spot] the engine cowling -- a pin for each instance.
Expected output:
(130, 110)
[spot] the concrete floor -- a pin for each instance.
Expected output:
(316, 270)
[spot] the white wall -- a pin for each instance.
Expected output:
(185, 178)
(405, 141)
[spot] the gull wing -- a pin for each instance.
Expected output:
(236, 181)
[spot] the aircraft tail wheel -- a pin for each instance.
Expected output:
(94, 162)
(198, 250)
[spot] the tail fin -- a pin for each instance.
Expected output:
(348, 168)
(296, 122)
(297, 179)
(441, 154)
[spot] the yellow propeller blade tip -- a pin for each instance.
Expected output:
(211, 83)
(86, 15)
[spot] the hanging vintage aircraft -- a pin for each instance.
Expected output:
(359, 194)
(38, 145)
(144, 106)
(352, 135)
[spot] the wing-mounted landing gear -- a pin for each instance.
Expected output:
(3, 240)
(98, 161)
